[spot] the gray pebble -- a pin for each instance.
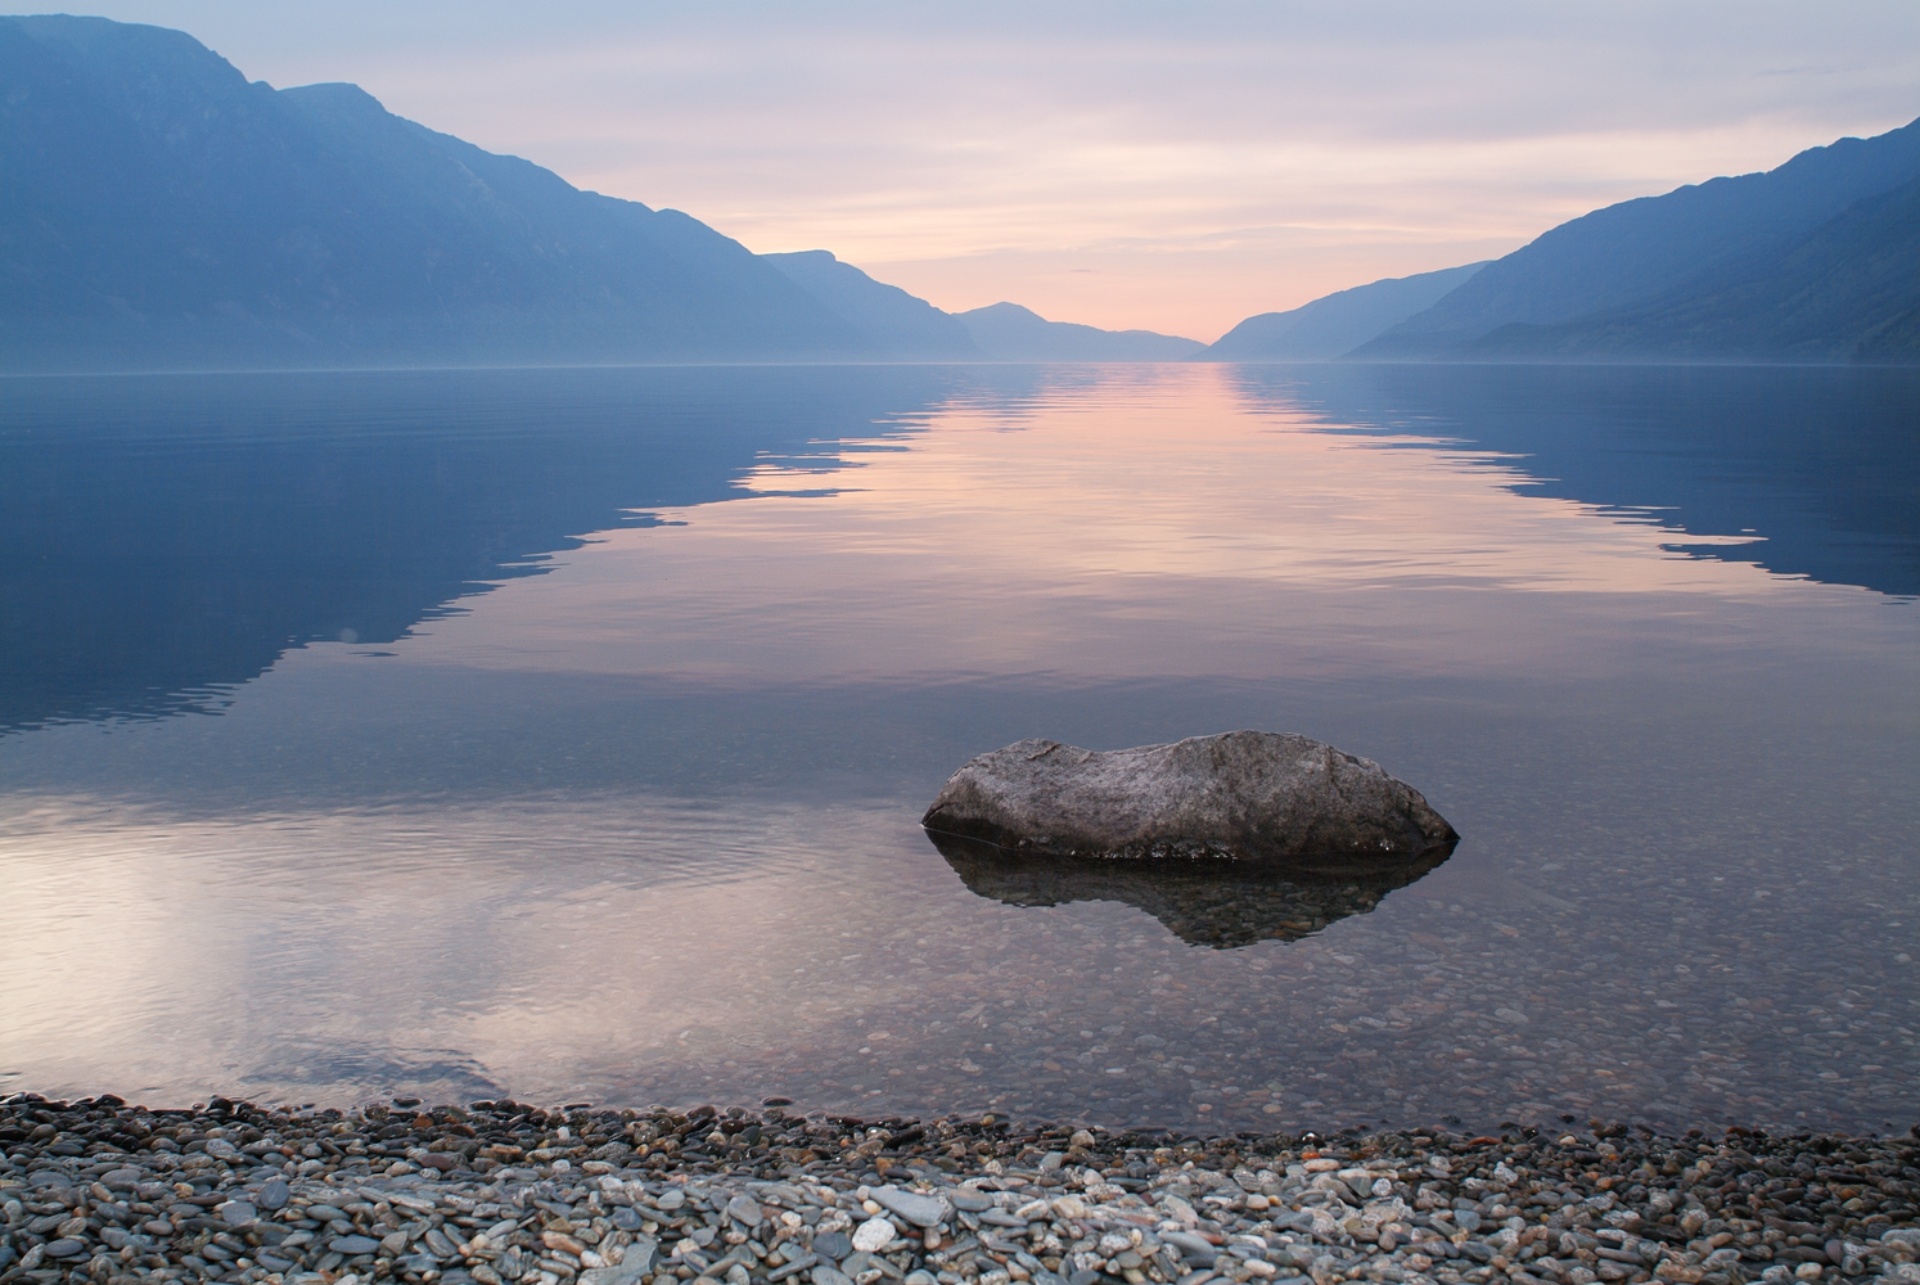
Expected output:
(1055, 1225)
(922, 1211)
(746, 1211)
(833, 1244)
(1193, 1248)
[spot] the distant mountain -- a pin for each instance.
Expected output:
(1008, 332)
(1813, 261)
(892, 323)
(896, 326)
(161, 211)
(1335, 324)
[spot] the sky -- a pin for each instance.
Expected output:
(1168, 166)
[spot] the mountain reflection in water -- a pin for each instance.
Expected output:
(1222, 904)
(166, 540)
(1804, 470)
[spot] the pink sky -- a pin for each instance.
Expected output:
(1169, 166)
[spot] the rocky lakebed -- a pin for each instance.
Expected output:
(99, 1190)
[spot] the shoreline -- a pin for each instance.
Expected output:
(98, 1190)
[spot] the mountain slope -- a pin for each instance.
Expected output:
(1849, 292)
(1639, 253)
(1337, 323)
(892, 323)
(1008, 332)
(163, 211)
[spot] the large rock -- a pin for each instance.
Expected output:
(1263, 797)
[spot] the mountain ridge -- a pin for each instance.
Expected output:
(1845, 293)
(1571, 292)
(1336, 323)
(164, 212)
(899, 326)
(1010, 332)
(215, 219)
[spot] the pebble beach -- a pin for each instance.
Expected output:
(100, 1190)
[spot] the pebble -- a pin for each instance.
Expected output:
(100, 1191)
(925, 1211)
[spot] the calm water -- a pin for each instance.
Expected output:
(564, 735)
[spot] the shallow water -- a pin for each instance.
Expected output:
(564, 735)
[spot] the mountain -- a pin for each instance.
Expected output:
(161, 211)
(897, 326)
(1813, 260)
(1335, 324)
(1008, 332)
(892, 323)
(1849, 292)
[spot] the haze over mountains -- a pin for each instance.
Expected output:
(1008, 332)
(1817, 260)
(1335, 324)
(891, 322)
(161, 212)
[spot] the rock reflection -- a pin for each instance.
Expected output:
(1224, 905)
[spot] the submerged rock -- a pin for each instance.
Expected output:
(1221, 904)
(1260, 797)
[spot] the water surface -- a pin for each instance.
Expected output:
(564, 735)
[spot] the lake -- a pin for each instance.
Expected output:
(565, 734)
